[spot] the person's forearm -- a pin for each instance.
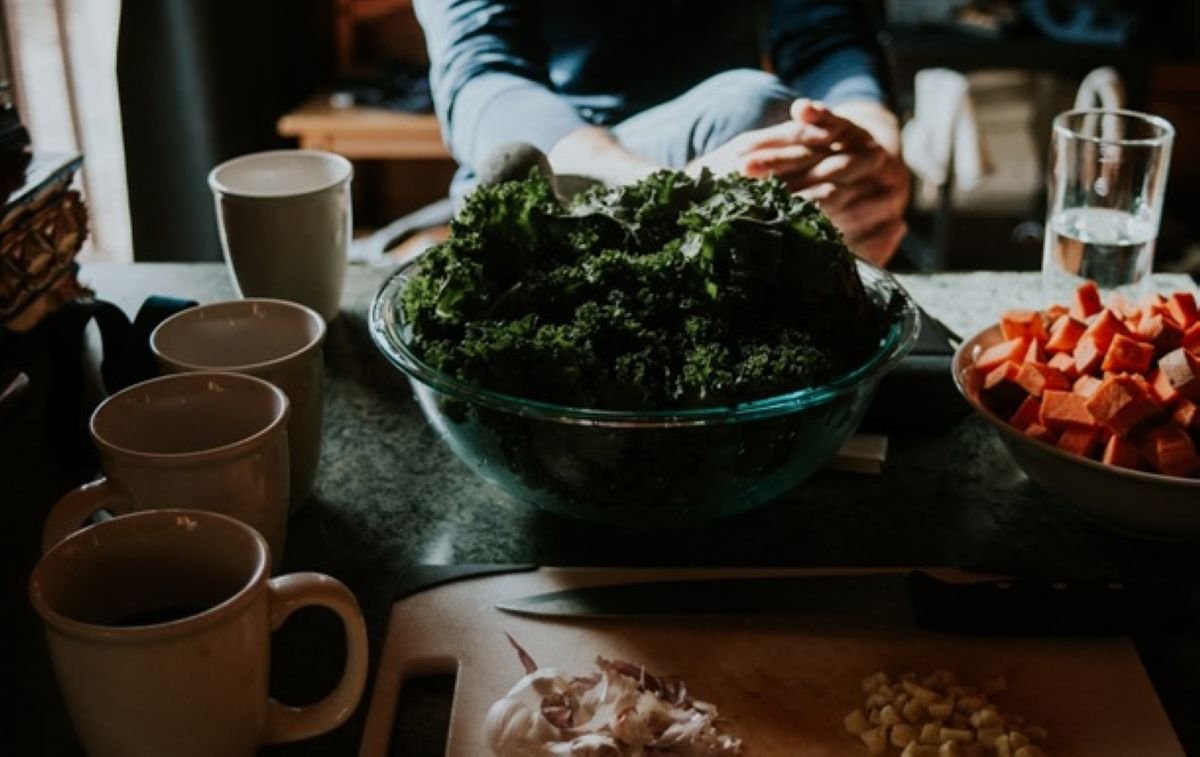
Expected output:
(876, 119)
(593, 152)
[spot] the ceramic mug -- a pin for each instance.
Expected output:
(284, 218)
(209, 441)
(275, 340)
(158, 625)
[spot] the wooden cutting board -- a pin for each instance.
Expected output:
(783, 685)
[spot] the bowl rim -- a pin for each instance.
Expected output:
(384, 324)
(963, 361)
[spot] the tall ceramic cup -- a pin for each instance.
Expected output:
(208, 441)
(275, 340)
(285, 224)
(158, 625)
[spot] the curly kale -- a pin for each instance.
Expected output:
(672, 292)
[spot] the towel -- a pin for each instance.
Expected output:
(943, 140)
(1103, 86)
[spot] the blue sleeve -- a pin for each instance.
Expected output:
(489, 79)
(827, 50)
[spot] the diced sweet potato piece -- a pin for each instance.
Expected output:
(1001, 392)
(1027, 414)
(1088, 356)
(1065, 334)
(1106, 326)
(1182, 370)
(1121, 405)
(1079, 440)
(1182, 307)
(1121, 452)
(1005, 372)
(1036, 378)
(1161, 332)
(1011, 350)
(1041, 433)
(1064, 408)
(1191, 339)
(1170, 450)
(1086, 386)
(1023, 324)
(1034, 353)
(1187, 415)
(1064, 363)
(1086, 302)
(1149, 300)
(1123, 306)
(1160, 387)
(1125, 354)
(1054, 312)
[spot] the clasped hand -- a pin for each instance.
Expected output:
(860, 183)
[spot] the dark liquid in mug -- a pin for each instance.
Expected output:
(157, 615)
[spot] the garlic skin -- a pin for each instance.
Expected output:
(619, 711)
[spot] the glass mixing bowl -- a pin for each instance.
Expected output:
(645, 467)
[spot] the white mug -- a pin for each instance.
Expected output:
(159, 624)
(275, 340)
(285, 221)
(209, 441)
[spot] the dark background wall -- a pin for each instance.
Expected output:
(201, 81)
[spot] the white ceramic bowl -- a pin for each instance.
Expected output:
(1134, 502)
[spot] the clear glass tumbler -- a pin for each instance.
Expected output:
(1107, 178)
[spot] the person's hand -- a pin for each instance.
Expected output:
(860, 180)
(771, 151)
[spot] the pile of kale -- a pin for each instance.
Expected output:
(669, 293)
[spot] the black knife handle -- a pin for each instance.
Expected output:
(1034, 607)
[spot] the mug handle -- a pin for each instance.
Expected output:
(76, 506)
(288, 594)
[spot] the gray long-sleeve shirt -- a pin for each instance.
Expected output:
(534, 70)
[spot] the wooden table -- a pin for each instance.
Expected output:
(368, 133)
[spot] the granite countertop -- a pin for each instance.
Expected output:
(389, 495)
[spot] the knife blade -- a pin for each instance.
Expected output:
(1000, 606)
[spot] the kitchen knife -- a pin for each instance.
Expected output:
(1007, 606)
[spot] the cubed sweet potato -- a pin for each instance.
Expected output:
(1106, 326)
(1182, 307)
(1161, 332)
(1011, 350)
(1086, 386)
(1121, 452)
(1079, 440)
(1023, 324)
(1065, 334)
(1126, 354)
(1086, 301)
(1123, 306)
(1035, 378)
(1191, 339)
(1121, 405)
(1027, 414)
(1170, 450)
(1160, 387)
(1034, 353)
(1182, 370)
(1041, 433)
(1054, 312)
(1187, 415)
(1064, 408)
(1064, 363)
(1088, 356)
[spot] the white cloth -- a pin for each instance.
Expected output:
(943, 139)
(1102, 86)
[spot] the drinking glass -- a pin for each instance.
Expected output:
(1107, 179)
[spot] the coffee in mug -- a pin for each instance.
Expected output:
(158, 625)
